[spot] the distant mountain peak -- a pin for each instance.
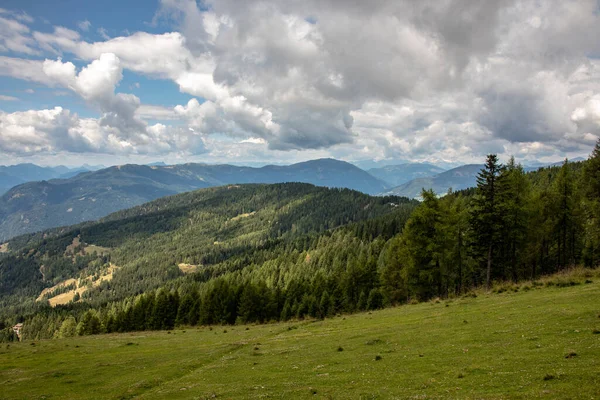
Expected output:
(94, 194)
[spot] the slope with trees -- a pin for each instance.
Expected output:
(37, 206)
(293, 251)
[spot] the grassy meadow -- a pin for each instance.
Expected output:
(528, 341)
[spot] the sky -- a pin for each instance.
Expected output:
(440, 81)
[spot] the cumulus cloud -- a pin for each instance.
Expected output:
(57, 130)
(431, 80)
(119, 129)
(587, 117)
(314, 65)
(32, 132)
(29, 70)
(96, 84)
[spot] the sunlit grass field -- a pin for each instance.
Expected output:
(530, 341)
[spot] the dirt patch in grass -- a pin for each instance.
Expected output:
(56, 287)
(188, 268)
(81, 286)
(74, 244)
(92, 248)
(244, 215)
(4, 248)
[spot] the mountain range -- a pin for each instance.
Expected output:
(458, 178)
(58, 196)
(396, 175)
(36, 206)
(14, 175)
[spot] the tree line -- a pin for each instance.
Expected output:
(512, 226)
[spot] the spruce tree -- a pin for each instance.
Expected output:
(485, 214)
(591, 193)
(513, 196)
(425, 247)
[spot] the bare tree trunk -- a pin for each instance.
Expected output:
(489, 268)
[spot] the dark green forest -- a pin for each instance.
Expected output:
(275, 252)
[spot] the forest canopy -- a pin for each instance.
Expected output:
(259, 253)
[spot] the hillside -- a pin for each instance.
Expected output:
(459, 178)
(396, 175)
(212, 231)
(42, 205)
(536, 342)
(258, 253)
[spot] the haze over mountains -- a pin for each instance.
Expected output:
(47, 197)
(440, 181)
(459, 178)
(14, 175)
(41, 205)
(396, 175)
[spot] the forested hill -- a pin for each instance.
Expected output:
(37, 206)
(205, 234)
(255, 253)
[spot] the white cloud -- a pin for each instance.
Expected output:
(7, 98)
(58, 130)
(587, 118)
(30, 132)
(155, 112)
(18, 15)
(84, 25)
(118, 130)
(29, 70)
(431, 80)
(254, 140)
(14, 36)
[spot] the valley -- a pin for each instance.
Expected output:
(265, 199)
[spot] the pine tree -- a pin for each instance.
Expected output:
(89, 324)
(68, 328)
(286, 312)
(563, 187)
(361, 305)
(183, 313)
(422, 237)
(512, 198)
(591, 193)
(375, 300)
(485, 215)
(324, 305)
(249, 307)
(393, 263)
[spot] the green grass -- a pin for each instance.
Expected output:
(509, 345)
